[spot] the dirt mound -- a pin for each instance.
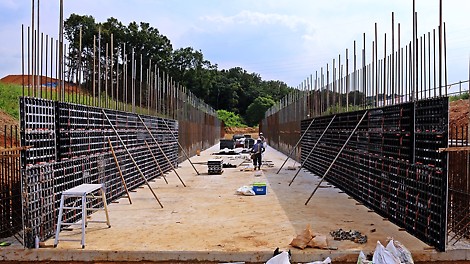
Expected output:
(46, 82)
(230, 131)
(241, 130)
(458, 119)
(459, 111)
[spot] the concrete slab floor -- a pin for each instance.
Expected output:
(208, 222)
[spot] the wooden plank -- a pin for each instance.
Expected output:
(453, 149)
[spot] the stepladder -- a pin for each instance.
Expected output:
(82, 199)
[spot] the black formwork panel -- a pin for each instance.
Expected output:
(391, 163)
(77, 152)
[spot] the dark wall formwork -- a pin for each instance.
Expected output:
(391, 164)
(69, 147)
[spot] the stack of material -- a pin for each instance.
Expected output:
(227, 143)
(215, 166)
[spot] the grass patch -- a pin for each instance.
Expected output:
(463, 96)
(10, 99)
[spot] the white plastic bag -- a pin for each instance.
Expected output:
(400, 251)
(383, 256)
(361, 259)
(326, 261)
(246, 190)
(282, 258)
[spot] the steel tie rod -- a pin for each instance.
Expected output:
(292, 150)
(164, 155)
(132, 158)
(334, 160)
(311, 151)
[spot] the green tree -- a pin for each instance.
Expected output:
(230, 119)
(255, 111)
(233, 90)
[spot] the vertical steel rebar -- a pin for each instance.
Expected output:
(385, 71)
(429, 64)
(99, 67)
(133, 81)
(354, 87)
(63, 75)
(421, 66)
(434, 64)
(376, 67)
(112, 70)
(40, 56)
(94, 71)
(57, 69)
(445, 60)
(393, 60)
(61, 49)
(440, 48)
(33, 48)
(347, 81)
(364, 72)
(117, 81)
(47, 57)
(141, 81)
(29, 62)
(34, 62)
(399, 67)
(424, 64)
(105, 79)
(79, 79)
(22, 58)
(51, 63)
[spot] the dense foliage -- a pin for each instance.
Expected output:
(230, 119)
(233, 90)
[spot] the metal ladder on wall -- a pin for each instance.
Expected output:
(83, 192)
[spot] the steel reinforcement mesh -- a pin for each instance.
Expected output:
(391, 164)
(69, 147)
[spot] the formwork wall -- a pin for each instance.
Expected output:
(282, 127)
(198, 130)
(391, 163)
(69, 147)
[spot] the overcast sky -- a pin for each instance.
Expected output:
(283, 40)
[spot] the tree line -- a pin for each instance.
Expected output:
(234, 90)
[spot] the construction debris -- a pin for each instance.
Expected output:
(352, 235)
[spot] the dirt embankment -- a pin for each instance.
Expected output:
(459, 113)
(459, 119)
(47, 83)
(230, 131)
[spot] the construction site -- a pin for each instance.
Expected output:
(355, 155)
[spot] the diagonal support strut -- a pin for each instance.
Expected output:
(164, 155)
(181, 147)
(132, 158)
(337, 155)
(311, 151)
(156, 161)
(292, 150)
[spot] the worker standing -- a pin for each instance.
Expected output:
(263, 139)
(256, 151)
